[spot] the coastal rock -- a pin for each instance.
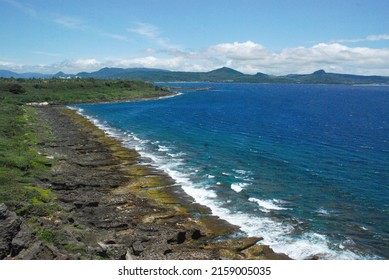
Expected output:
(137, 248)
(246, 248)
(22, 240)
(128, 255)
(238, 244)
(9, 227)
(41, 251)
(263, 252)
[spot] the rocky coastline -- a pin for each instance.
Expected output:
(110, 206)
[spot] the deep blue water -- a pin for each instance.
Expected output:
(304, 166)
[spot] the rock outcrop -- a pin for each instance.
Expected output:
(9, 228)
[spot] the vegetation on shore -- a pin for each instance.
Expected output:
(65, 91)
(21, 133)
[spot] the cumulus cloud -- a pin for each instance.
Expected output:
(250, 57)
(151, 62)
(239, 51)
(87, 63)
(10, 65)
(247, 57)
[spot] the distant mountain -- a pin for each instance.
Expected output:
(225, 71)
(158, 75)
(34, 75)
(223, 74)
(116, 73)
(10, 74)
(322, 77)
(7, 74)
(62, 75)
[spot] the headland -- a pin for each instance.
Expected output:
(95, 200)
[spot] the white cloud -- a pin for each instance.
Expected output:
(68, 66)
(247, 57)
(145, 29)
(377, 37)
(250, 57)
(76, 23)
(151, 32)
(331, 57)
(10, 65)
(87, 63)
(25, 8)
(239, 51)
(70, 22)
(114, 36)
(174, 63)
(369, 38)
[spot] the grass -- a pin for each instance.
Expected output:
(20, 162)
(60, 91)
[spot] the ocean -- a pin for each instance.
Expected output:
(306, 167)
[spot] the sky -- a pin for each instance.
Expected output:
(273, 37)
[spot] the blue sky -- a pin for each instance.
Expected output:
(274, 37)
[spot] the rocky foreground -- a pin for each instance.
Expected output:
(110, 206)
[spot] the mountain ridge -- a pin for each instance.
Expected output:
(223, 74)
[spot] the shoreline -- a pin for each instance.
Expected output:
(169, 94)
(112, 207)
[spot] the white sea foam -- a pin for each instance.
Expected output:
(170, 96)
(176, 155)
(238, 187)
(267, 205)
(277, 234)
(244, 175)
(241, 172)
(162, 148)
(322, 211)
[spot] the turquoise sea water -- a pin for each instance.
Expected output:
(304, 166)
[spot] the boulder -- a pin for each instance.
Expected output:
(9, 228)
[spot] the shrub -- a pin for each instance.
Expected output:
(16, 89)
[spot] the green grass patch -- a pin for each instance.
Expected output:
(46, 235)
(76, 248)
(36, 202)
(60, 91)
(42, 195)
(20, 163)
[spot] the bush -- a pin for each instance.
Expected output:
(16, 89)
